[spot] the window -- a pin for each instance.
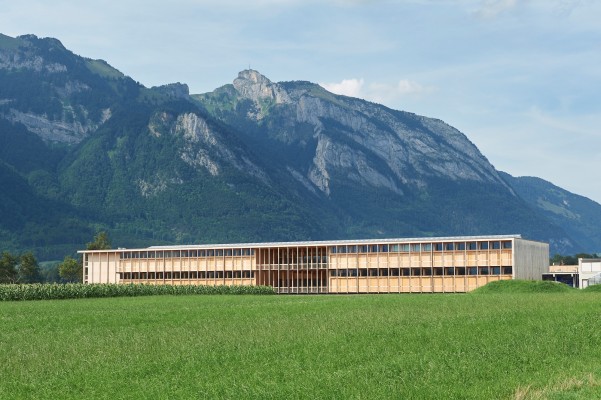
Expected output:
(384, 248)
(460, 271)
(415, 272)
(373, 248)
(483, 270)
(507, 244)
(437, 246)
(237, 274)
(427, 271)
(460, 246)
(449, 247)
(406, 271)
(495, 245)
(472, 270)
(185, 253)
(351, 249)
(495, 271)
(383, 272)
(363, 249)
(427, 247)
(394, 272)
(415, 248)
(472, 246)
(333, 272)
(362, 272)
(394, 248)
(438, 271)
(342, 272)
(373, 272)
(450, 271)
(405, 248)
(352, 272)
(483, 245)
(507, 270)
(333, 249)
(229, 274)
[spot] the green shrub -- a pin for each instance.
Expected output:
(523, 286)
(593, 288)
(54, 291)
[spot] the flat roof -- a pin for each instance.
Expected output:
(311, 243)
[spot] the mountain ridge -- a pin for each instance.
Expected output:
(253, 160)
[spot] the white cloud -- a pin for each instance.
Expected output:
(406, 86)
(492, 8)
(383, 93)
(348, 87)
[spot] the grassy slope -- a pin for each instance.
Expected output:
(516, 345)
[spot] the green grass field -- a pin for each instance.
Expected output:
(473, 346)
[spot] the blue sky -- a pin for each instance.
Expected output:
(521, 78)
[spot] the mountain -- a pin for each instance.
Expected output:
(579, 216)
(85, 147)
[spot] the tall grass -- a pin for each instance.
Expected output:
(493, 346)
(55, 291)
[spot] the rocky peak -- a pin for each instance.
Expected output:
(254, 86)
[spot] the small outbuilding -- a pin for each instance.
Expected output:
(586, 273)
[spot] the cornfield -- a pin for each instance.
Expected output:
(54, 291)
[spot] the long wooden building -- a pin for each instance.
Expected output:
(415, 265)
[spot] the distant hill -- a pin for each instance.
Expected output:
(84, 147)
(579, 216)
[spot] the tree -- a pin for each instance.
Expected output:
(29, 269)
(70, 270)
(101, 242)
(559, 259)
(8, 268)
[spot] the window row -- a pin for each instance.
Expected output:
(421, 247)
(295, 261)
(188, 253)
(188, 275)
(436, 271)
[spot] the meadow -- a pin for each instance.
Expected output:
(487, 345)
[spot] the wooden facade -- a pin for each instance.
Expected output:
(430, 265)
